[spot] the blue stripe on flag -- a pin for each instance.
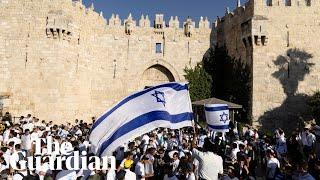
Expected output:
(175, 86)
(219, 108)
(218, 127)
(143, 120)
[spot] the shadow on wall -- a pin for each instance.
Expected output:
(294, 109)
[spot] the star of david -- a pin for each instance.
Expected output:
(224, 117)
(160, 97)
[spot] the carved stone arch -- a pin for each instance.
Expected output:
(157, 72)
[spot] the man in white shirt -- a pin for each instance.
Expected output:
(14, 138)
(234, 151)
(308, 140)
(129, 175)
(6, 135)
(139, 168)
(272, 164)
(210, 164)
(26, 142)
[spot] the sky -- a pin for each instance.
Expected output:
(180, 8)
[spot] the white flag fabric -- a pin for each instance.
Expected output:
(217, 116)
(166, 105)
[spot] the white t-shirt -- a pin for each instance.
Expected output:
(130, 175)
(18, 176)
(139, 170)
(6, 135)
(45, 167)
(26, 142)
(29, 126)
(15, 140)
(111, 175)
(175, 165)
(210, 164)
(34, 136)
(191, 176)
(272, 165)
(233, 154)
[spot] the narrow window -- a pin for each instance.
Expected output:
(268, 2)
(244, 42)
(308, 2)
(256, 40)
(250, 40)
(287, 2)
(263, 40)
(158, 48)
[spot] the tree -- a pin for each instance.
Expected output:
(231, 79)
(200, 82)
(314, 103)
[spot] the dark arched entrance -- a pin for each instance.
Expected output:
(157, 74)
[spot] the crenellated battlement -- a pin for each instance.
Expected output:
(241, 11)
(144, 21)
(288, 3)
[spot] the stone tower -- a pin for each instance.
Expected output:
(278, 39)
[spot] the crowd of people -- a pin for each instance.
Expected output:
(192, 153)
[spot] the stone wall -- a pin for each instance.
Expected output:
(284, 56)
(60, 60)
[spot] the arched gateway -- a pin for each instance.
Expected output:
(157, 73)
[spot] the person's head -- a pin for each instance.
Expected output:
(17, 147)
(207, 145)
(270, 153)
(161, 152)
(152, 151)
(2, 160)
(242, 147)
(131, 145)
(29, 115)
(27, 132)
(93, 118)
(144, 159)
(231, 172)
(175, 156)
(302, 167)
(280, 131)
(14, 134)
(129, 155)
(234, 145)
(11, 144)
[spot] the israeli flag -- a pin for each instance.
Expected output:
(217, 116)
(167, 105)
